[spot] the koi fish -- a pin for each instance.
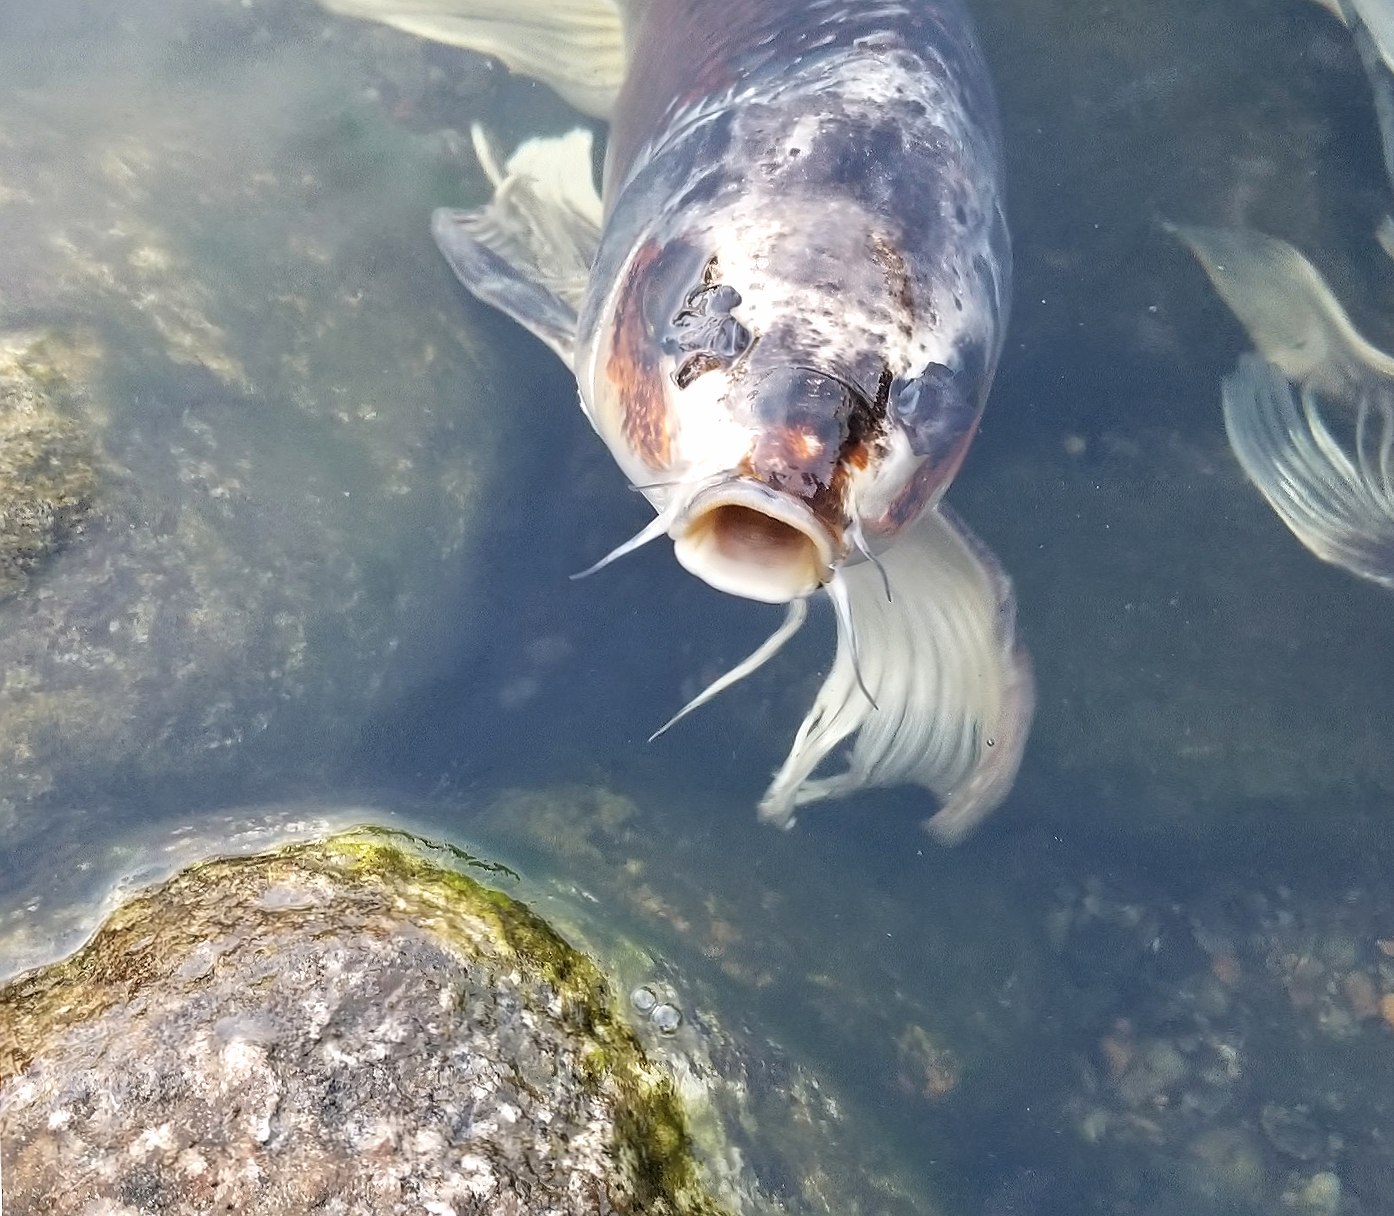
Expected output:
(1310, 416)
(783, 309)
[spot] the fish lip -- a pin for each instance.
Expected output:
(785, 572)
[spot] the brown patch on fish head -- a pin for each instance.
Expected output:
(633, 367)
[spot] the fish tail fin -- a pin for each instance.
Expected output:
(575, 46)
(1334, 488)
(529, 250)
(953, 688)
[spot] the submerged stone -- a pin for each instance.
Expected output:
(244, 456)
(344, 1026)
(365, 1024)
(47, 476)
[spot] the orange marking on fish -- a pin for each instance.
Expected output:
(799, 462)
(633, 369)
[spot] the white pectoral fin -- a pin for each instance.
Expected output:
(1331, 482)
(1286, 307)
(952, 687)
(575, 46)
(528, 252)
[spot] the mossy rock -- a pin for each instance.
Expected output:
(344, 1026)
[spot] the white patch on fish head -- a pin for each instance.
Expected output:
(652, 384)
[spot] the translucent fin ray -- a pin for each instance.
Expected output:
(1371, 25)
(528, 251)
(953, 688)
(1336, 497)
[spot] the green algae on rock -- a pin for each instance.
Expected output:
(346, 1026)
(923, 1002)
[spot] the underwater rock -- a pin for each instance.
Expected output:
(243, 451)
(1257, 1103)
(919, 992)
(362, 1025)
(47, 479)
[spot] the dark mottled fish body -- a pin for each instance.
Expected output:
(784, 310)
(689, 56)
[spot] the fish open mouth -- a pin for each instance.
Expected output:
(746, 539)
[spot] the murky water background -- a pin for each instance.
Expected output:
(333, 502)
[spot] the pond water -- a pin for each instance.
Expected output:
(300, 516)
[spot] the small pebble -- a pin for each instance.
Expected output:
(1360, 992)
(1292, 1131)
(1322, 1195)
(1340, 951)
(643, 999)
(1386, 1008)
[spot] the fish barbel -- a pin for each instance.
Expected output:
(784, 310)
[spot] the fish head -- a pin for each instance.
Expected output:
(762, 380)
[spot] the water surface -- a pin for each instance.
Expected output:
(337, 502)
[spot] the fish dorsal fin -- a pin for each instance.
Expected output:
(528, 251)
(575, 46)
(1287, 308)
(1328, 473)
(937, 692)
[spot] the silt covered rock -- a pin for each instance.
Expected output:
(244, 452)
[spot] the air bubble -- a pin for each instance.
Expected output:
(667, 1018)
